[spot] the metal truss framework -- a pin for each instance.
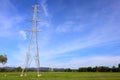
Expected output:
(33, 52)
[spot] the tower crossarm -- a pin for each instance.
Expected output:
(33, 30)
(35, 21)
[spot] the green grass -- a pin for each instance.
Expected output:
(62, 76)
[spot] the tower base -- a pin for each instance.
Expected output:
(38, 75)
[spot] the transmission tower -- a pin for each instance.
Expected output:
(33, 52)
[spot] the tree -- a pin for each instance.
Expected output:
(103, 69)
(119, 67)
(114, 69)
(68, 70)
(19, 69)
(83, 69)
(3, 59)
(89, 69)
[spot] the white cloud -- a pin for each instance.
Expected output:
(23, 34)
(87, 61)
(93, 39)
(97, 61)
(46, 16)
(69, 26)
(63, 28)
(99, 32)
(18, 56)
(44, 6)
(8, 22)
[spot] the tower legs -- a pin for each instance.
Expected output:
(27, 63)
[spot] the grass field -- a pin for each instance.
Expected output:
(62, 76)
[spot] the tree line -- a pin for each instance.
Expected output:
(100, 69)
(82, 69)
(3, 60)
(92, 69)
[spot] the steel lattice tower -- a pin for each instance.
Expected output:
(33, 52)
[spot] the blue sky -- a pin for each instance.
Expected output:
(76, 33)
